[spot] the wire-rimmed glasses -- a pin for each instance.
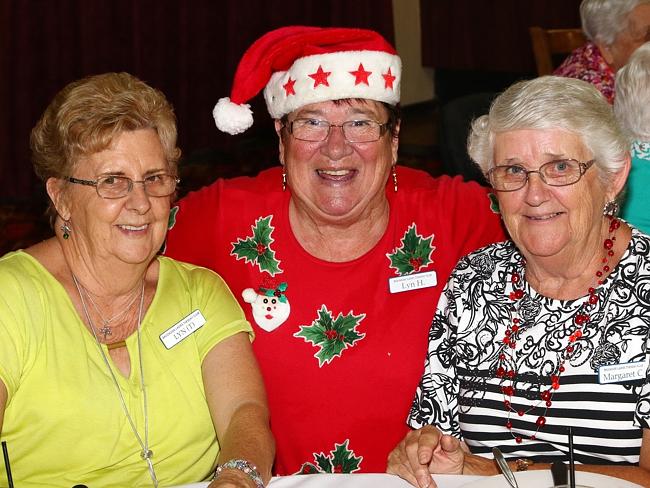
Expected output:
(561, 172)
(113, 186)
(354, 131)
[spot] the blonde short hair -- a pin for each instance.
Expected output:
(87, 115)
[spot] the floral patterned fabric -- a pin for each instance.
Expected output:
(588, 64)
(460, 391)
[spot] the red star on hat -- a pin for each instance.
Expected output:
(320, 77)
(388, 78)
(288, 87)
(361, 75)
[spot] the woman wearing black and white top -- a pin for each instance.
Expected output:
(548, 330)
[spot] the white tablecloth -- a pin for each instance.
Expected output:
(528, 479)
(367, 480)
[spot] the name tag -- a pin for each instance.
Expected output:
(619, 373)
(398, 284)
(179, 331)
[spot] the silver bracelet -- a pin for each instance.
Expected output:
(246, 467)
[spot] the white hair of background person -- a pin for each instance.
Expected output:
(632, 102)
(604, 20)
(553, 102)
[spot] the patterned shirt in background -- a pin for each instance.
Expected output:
(588, 64)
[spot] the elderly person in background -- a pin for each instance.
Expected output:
(338, 255)
(550, 329)
(117, 367)
(615, 28)
(632, 109)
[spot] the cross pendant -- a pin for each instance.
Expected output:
(106, 330)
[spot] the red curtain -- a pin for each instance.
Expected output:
(187, 49)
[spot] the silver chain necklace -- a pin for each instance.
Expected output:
(146, 454)
(106, 330)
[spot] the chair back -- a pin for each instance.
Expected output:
(548, 44)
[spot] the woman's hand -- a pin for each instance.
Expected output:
(425, 451)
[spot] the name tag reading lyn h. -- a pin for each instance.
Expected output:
(398, 284)
(180, 330)
(622, 373)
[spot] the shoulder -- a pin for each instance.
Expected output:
(190, 275)
(19, 267)
(418, 182)
(640, 244)
(486, 261)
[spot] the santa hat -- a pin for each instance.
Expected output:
(300, 65)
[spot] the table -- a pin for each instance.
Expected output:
(364, 480)
(534, 479)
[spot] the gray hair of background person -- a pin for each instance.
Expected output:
(553, 102)
(604, 20)
(632, 103)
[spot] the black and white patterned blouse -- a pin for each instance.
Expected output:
(604, 391)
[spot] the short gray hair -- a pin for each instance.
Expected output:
(553, 102)
(632, 102)
(604, 20)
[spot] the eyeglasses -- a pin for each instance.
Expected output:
(354, 131)
(562, 172)
(111, 186)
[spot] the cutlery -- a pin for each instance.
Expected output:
(572, 466)
(559, 472)
(505, 469)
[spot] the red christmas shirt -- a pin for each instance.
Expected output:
(343, 410)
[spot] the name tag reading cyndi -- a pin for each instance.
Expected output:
(179, 331)
(410, 282)
(620, 373)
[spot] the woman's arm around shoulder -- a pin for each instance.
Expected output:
(237, 402)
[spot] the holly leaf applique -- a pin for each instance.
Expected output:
(414, 253)
(256, 249)
(340, 460)
(171, 221)
(331, 336)
(344, 460)
(494, 203)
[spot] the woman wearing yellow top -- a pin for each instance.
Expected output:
(118, 367)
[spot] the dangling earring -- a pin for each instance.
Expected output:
(284, 180)
(66, 229)
(611, 209)
(394, 179)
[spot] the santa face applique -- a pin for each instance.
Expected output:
(270, 306)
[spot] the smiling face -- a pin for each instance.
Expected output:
(129, 229)
(546, 221)
(334, 180)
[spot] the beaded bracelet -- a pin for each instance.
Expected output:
(522, 464)
(246, 467)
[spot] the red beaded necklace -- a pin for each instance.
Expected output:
(506, 369)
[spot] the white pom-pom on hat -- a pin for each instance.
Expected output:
(249, 295)
(231, 117)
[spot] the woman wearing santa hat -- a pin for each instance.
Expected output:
(338, 255)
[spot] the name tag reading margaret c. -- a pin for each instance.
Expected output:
(621, 373)
(398, 284)
(180, 330)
